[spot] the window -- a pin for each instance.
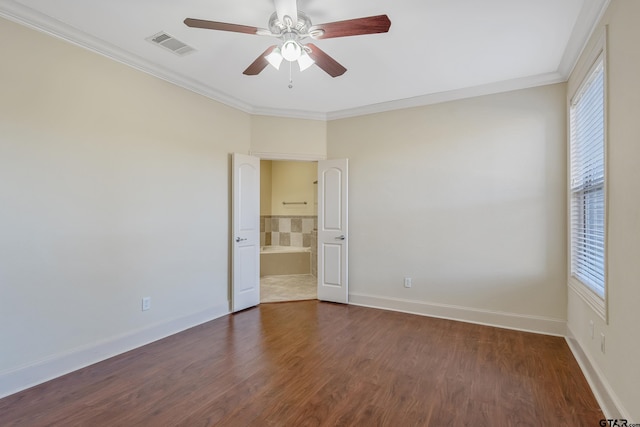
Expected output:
(587, 188)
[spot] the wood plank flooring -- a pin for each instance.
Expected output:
(310, 363)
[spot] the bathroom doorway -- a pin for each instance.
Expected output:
(288, 230)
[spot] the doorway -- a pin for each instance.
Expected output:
(332, 231)
(288, 230)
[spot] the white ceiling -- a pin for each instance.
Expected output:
(436, 50)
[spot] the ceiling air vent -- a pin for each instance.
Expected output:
(170, 43)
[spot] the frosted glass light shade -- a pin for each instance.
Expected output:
(275, 58)
(305, 61)
(291, 50)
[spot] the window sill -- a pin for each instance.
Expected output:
(597, 304)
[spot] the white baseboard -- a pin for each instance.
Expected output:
(607, 399)
(28, 376)
(537, 324)
(60, 364)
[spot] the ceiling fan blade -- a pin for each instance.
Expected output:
(324, 61)
(221, 26)
(259, 64)
(352, 27)
(287, 8)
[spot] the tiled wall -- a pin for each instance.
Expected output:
(279, 230)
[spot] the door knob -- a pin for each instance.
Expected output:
(238, 239)
(340, 237)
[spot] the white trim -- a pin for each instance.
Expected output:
(586, 24)
(288, 156)
(291, 114)
(604, 394)
(596, 303)
(40, 22)
(587, 20)
(520, 322)
(60, 364)
(452, 95)
(581, 73)
(598, 52)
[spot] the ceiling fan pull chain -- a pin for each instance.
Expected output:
(290, 78)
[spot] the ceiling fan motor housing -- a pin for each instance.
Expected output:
(278, 27)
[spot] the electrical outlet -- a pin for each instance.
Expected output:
(591, 329)
(407, 282)
(602, 342)
(146, 303)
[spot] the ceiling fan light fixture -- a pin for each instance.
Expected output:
(275, 58)
(305, 61)
(291, 50)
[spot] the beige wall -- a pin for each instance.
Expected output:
(466, 197)
(117, 187)
(290, 181)
(114, 185)
(284, 138)
(620, 365)
(293, 182)
(265, 187)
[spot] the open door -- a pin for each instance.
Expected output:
(333, 236)
(245, 256)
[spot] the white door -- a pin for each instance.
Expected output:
(333, 236)
(245, 275)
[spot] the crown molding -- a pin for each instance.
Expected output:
(40, 22)
(422, 100)
(28, 17)
(452, 95)
(586, 22)
(291, 114)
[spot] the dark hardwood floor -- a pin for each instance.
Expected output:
(310, 363)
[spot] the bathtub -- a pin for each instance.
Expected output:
(283, 260)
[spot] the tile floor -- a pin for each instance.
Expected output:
(288, 288)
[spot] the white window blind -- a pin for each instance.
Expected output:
(588, 182)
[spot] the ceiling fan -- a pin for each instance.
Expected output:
(292, 26)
